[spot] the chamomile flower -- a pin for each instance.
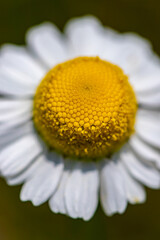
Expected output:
(79, 118)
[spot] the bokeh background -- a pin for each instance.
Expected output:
(23, 221)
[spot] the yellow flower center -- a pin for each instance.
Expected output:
(85, 108)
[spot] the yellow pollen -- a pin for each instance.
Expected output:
(85, 108)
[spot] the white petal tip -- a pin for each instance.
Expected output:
(36, 202)
(23, 198)
(88, 218)
(136, 200)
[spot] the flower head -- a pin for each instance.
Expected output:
(85, 108)
(79, 114)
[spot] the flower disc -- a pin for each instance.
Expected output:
(85, 108)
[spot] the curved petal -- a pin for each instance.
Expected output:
(45, 180)
(112, 189)
(18, 59)
(143, 172)
(145, 84)
(88, 37)
(10, 86)
(144, 151)
(27, 172)
(81, 193)
(20, 73)
(135, 192)
(132, 52)
(47, 43)
(85, 36)
(150, 100)
(147, 79)
(18, 155)
(14, 134)
(57, 201)
(13, 114)
(15, 122)
(11, 108)
(148, 127)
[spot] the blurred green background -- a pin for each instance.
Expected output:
(23, 221)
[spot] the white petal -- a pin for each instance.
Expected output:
(88, 37)
(135, 192)
(57, 201)
(85, 36)
(81, 193)
(144, 84)
(147, 79)
(132, 52)
(18, 155)
(148, 127)
(145, 151)
(9, 85)
(14, 134)
(143, 172)
(47, 43)
(18, 59)
(151, 100)
(20, 73)
(7, 104)
(112, 190)
(28, 172)
(14, 113)
(44, 181)
(11, 109)
(12, 123)
(148, 115)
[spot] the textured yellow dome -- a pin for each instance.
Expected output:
(85, 108)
